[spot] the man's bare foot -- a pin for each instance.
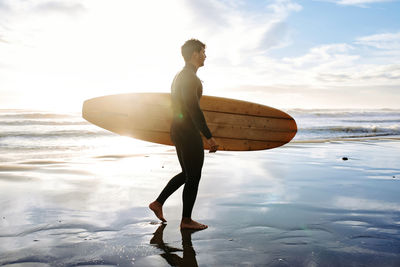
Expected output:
(188, 223)
(156, 207)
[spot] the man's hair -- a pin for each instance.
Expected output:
(191, 46)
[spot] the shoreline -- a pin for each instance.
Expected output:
(349, 139)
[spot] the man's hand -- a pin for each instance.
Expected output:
(213, 145)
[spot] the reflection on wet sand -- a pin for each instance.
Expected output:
(300, 205)
(189, 255)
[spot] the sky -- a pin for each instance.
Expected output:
(281, 53)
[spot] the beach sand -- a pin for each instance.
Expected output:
(297, 205)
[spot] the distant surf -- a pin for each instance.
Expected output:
(41, 132)
(318, 124)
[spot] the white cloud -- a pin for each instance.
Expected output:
(284, 7)
(333, 54)
(123, 46)
(60, 7)
(369, 60)
(234, 34)
(360, 3)
(15, 7)
(102, 47)
(2, 40)
(389, 41)
(333, 75)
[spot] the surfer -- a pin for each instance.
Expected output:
(188, 121)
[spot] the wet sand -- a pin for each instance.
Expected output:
(298, 205)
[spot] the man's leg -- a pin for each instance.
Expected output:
(192, 159)
(169, 189)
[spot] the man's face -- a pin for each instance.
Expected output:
(200, 57)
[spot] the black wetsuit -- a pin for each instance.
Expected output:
(188, 121)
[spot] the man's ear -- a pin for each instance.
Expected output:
(195, 54)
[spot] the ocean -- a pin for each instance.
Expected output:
(28, 134)
(73, 194)
(332, 124)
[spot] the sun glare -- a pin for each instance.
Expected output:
(111, 49)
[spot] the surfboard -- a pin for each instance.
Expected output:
(236, 125)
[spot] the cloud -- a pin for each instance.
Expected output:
(215, 14)
(69, 8)
(385, 72)
(330, 77)
(376, 74)
(332, 54)
(4, 6)
(360, 3)
(39, 7)
(21, 20)
(311, 96)
(239, 39)
(245, 33)
(284, 7)
(368, 60)
(3, 40)
(389, 41)
(276, 36)
(122, 45)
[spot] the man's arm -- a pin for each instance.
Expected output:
(191, 102)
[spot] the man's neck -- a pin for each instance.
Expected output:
(191, 66)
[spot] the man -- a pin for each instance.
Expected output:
(187, 123)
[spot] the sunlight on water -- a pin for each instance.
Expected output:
(67, 185)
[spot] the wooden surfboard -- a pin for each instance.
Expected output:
(236, 125)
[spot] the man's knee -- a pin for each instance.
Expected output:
(193, 178)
